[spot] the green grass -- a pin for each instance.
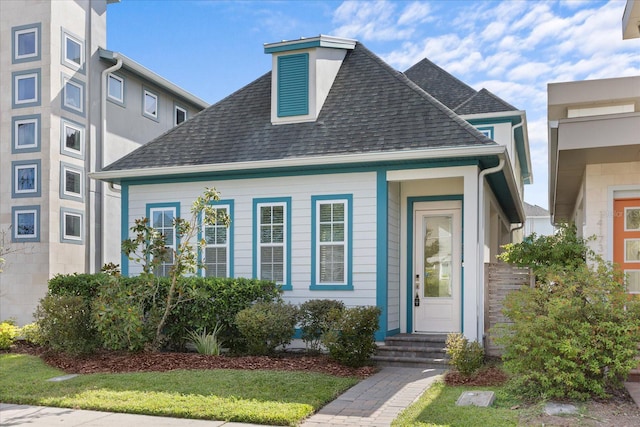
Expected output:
(437, 408)
(264, 397)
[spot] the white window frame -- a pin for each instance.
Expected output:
(175, 114)
(28, 211)
(16, 170)
(66, 169)
(65, 57)
(63, 139)
(146, 93)
(226, 245)
(35, 121)
(20, 77)
(627, 260)
(66, 82)
(271, 244)
(165, 266)
(65, 235)
(119, 100)
(344, 243)
(625, 218)
(17, 34)
(626, 272)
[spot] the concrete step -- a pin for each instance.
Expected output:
(413, 350)
(410, 351)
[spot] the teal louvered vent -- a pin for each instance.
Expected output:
(293, 85)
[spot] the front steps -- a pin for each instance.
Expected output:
(425, 351)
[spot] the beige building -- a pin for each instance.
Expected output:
(69, 107)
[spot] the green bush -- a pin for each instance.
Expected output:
(574, 335)
(314, 316)
(8, 333)
(466, 357)
(267, 325)
(216, 300)
(82, 285)
(206, 342)
(65, 324)
(350, 335)
(32, 334)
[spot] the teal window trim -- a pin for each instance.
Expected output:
(229, 205)
(175, 206)
(293, 85)
(64, 194)
(33, 210)
(18, 120)
(273, 201)
(316, 201)
(64, 238)
(410, 233)
(382, 252)
(486, 130)
(16, 77)
(22, 29)
(16, 177)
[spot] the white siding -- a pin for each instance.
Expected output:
(362, 186)
(393, 266)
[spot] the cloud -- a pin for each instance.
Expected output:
(416, 12)
(369, 21)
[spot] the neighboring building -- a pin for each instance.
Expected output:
(631, 20)
(538, 221)
(346, 179)
(69, 107)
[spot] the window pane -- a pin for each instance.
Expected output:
(265, 215)
(26, 178)
(72, 96)
(72, 225)
(221, 235)
(338, 233)
(26, 88)
(325, 213)
(26, 224)
(631, 250)
(72, 138)
(265, 234)
(278, 215)
(338, 212)
(633, 281)
(215, 262)
(331, 264)
(26, 134)
(73, 51)
(277, 234)
(632, 219)
(181, 115)
(156, 221)
(115, 88)
(72, 182)
(150, 104)
(325, 232)
(168, 236)
(27, 43)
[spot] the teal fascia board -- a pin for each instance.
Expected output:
(382, 251)
(303, 44)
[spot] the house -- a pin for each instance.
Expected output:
(538, 221)
(346, 179)
(69, 107)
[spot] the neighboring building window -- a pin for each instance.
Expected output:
(72, 143)
(72, 51)
(26, 43)
(25, 224)
(26, 178)
(181, 115)
(115, 88)
(150, 104)
(216, 252)
(272, 249)
(71, 179)
(26, 88)
(293, 85)
(71, 225)
(73, 95)
(26, 133)
(162, 220)
(331, 237)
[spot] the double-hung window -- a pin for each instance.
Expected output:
(162, 219)
(331, 242)
(216, 254)
(273, 240)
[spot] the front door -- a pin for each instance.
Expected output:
(626, 240)
(437, 267)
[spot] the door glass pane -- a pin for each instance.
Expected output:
(632, 219)
(632, 250)
(438, 247)
(633, 281)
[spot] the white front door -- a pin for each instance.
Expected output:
(437, 266)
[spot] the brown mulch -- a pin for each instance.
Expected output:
(116, 362)
(491, 376)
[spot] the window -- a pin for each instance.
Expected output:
(26, 178)
(72, 140)
(162, 220)
(181, 115)
(272, 249)
(331, 237)
(115, 88)
(486, 131)
(216, 255)
(73, 96)
(26, 133)
(71, 184)
(293, 85)
(26, 43)
(26, 88)
(150, 105)
(25, 224)
(71, 226)
(72, 51)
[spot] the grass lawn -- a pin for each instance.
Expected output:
(437, 407)
(266, 397)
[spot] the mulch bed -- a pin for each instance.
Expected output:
(116, 362)
(491, 376)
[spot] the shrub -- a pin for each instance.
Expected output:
(574, 335)
(82, 285)
(267, 325)
(314, 316)
(350, 335)
(32, 334)
(206, 342)
(466, 357)
(65, 323)
(8, 333)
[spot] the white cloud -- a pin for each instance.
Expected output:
(369, 21)
(528, 71)
(416, 12)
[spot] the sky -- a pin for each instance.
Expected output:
(513, 48)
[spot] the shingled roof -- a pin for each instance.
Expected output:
(455, 94)
(371, 108)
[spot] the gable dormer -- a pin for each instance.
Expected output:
(303, 72)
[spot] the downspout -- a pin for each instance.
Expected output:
(103, 136)
(480, 248)
(513, 134)
(520, 227)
